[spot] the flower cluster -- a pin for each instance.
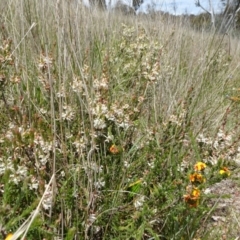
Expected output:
(218, 147)
(225, 172)
(192, 197)
(197, 178)
(44, 66)
(199, 166)
(193, 192)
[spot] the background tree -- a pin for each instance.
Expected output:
(228, 18)
(124, 8)
(98, 3)
(210, 11)
(231, 15)
(102, 3)
(137, 3)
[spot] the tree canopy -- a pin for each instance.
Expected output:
(102, 3)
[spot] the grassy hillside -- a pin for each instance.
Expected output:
(112, 127)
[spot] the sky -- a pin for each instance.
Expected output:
(177, 7)
(181, 6)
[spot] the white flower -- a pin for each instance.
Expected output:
(109, 137)
(15, 179)
(207, 191)
(80, 144)
(63, 174)
(119, 112)
(212, 160)
(99, 123)
(151, 164)
(220, 134)
(18, 175)
(93, 167)
(44, 62)
(101, 84)
(110, 116)
(6, 165)
(126, 164)
(202, 139)
(68, 113)
(43, 111)
(47, 199)
(61, 94)
(174, 119)
(216, 145)
(138, 201)
(9, 135)
(100, 109)
(77, 85)
(99, 184)
(34, 184)
(2, 168)
(126, 106)
(228, 140)
(43, 159)
(92, 218)
(124, 125)
(68, 135)
(22, 171)
(47, 60)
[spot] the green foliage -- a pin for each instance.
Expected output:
(119, 114)
(201, 21)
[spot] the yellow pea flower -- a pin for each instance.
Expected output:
(9, 236)
(197, 178)
(200, 166)
(225, 171)
(114, 149)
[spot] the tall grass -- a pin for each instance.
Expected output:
(113, 112)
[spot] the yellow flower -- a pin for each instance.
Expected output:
(197, 177)
(195, 193)
(114, 149)
(192, 199)
(192, 202)
(9, 236)
(225, 172)
(199, 166)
